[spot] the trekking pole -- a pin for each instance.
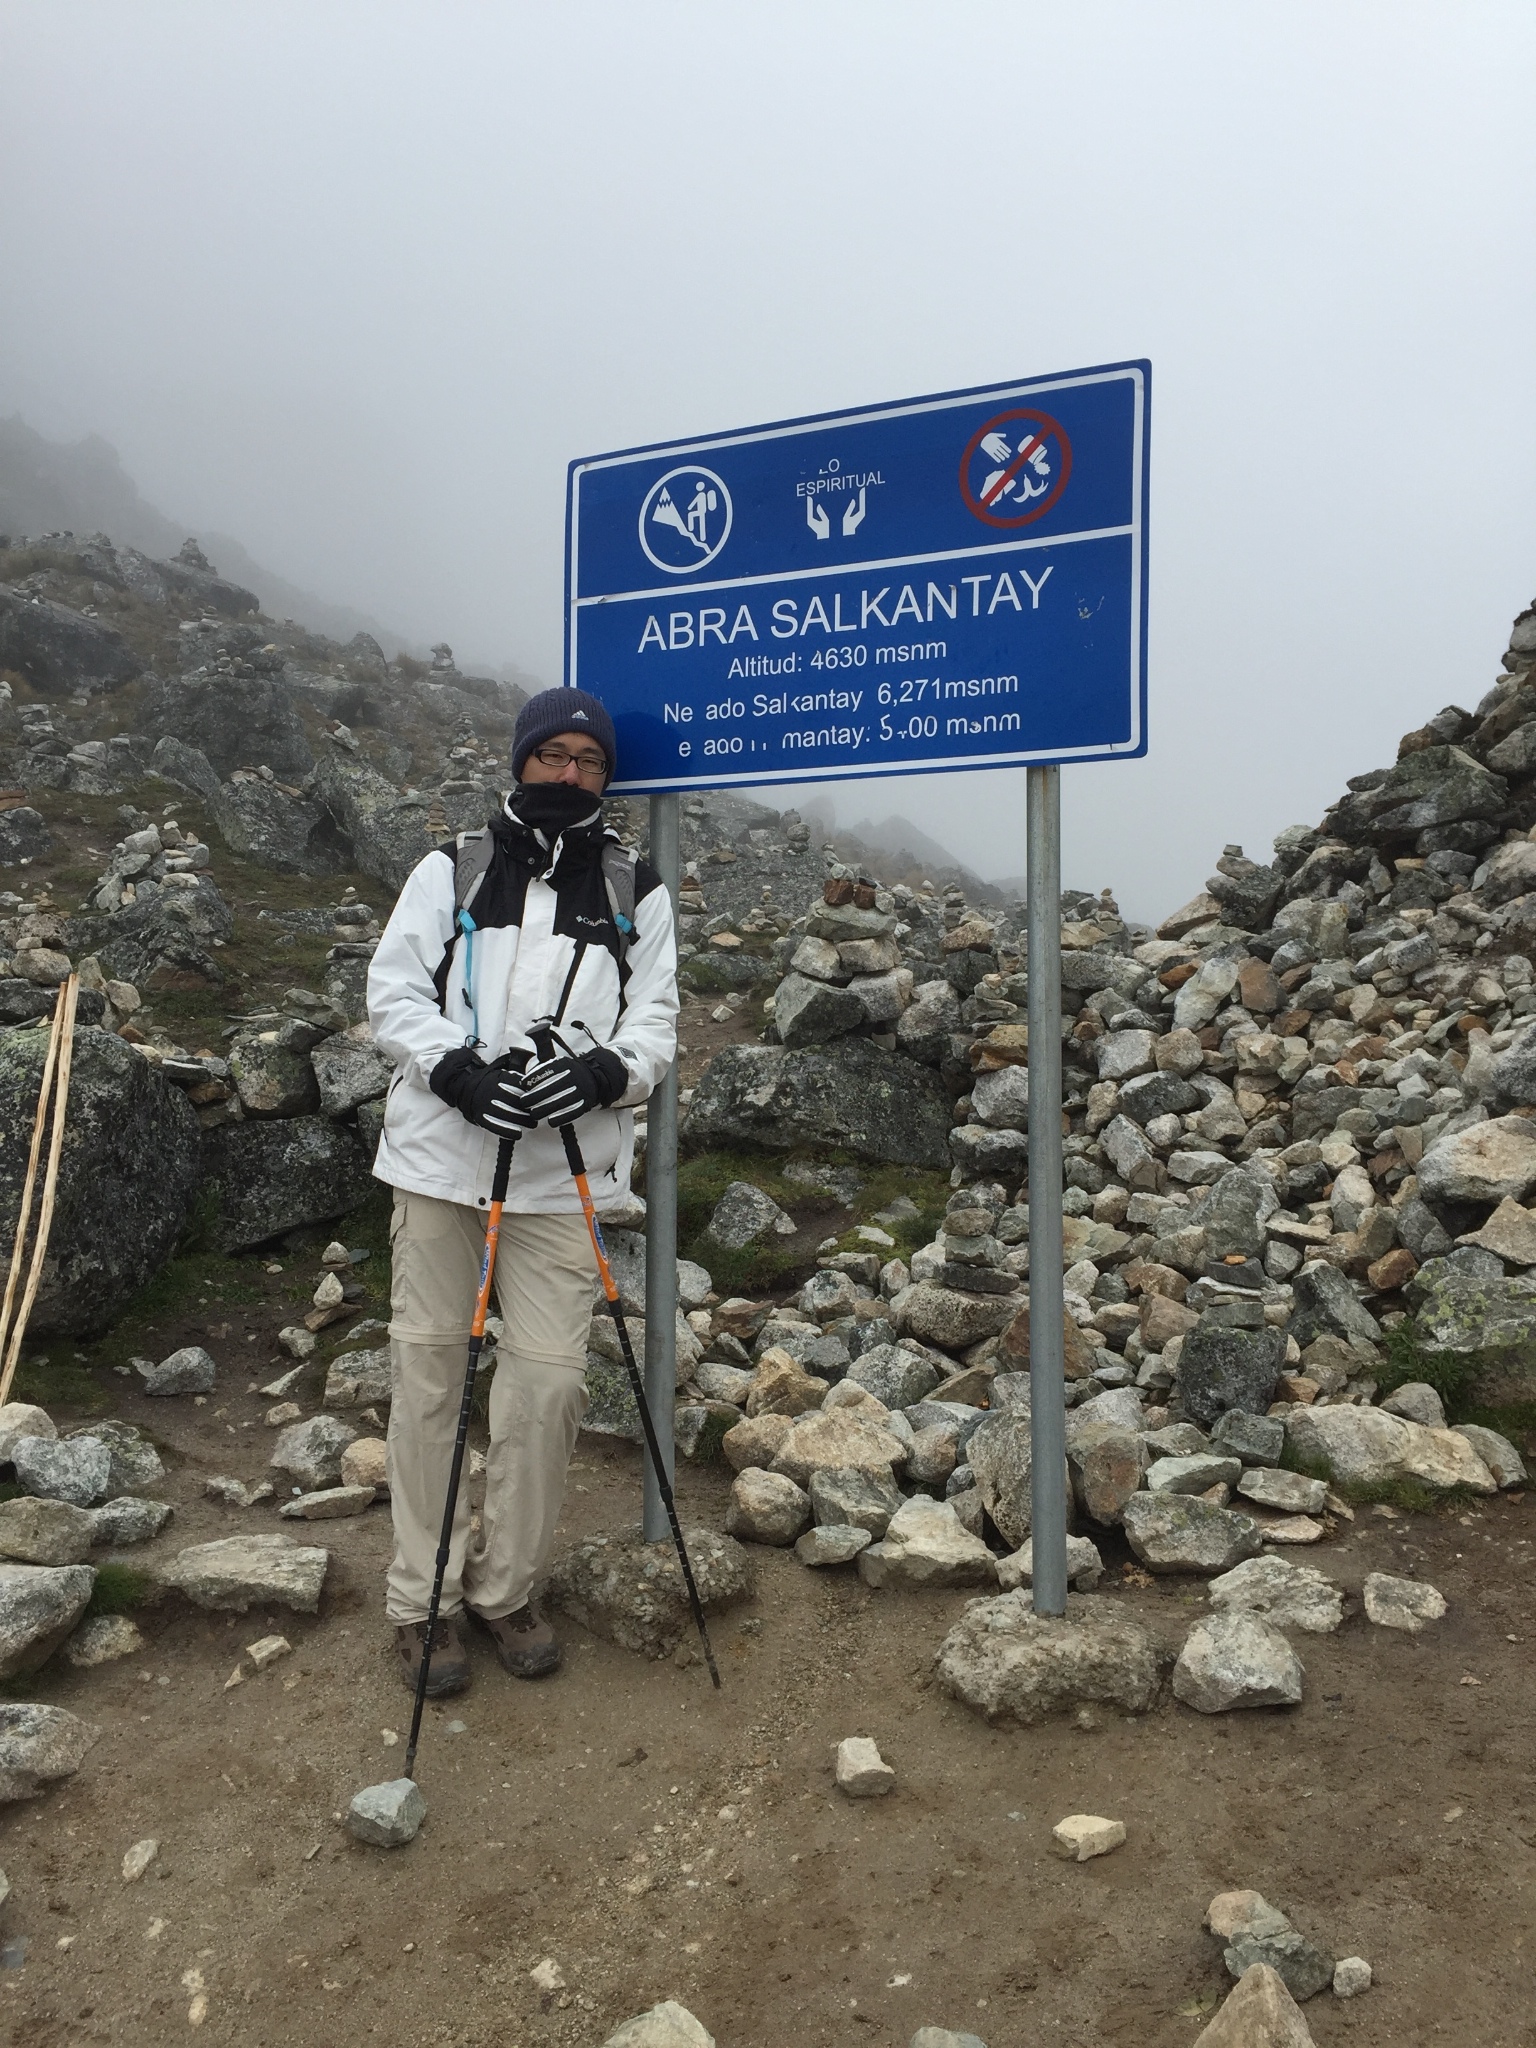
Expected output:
(499, 1181)
(637, 1386)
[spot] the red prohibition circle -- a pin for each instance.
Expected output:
(1045, 426)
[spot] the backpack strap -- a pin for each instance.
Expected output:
(619, 882)
(473, 853)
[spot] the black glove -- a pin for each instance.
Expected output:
(560, 1090)
(491, 1097)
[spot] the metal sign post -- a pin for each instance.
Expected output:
(956, 581)
(661, 1221)
(1047, 1309)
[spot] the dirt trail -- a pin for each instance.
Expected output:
(1392, 1815)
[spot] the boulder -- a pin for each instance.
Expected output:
(190, 1370)
(128, 1171)
(834, 1442)
(1255, 1439)
(831, 1543)
(163, 941)
(1011, 1664)
(1260, 2013)
(132, 1461)
(38, 1746)
(350, 1070)
(267, 824)
(1408, 1604)
(1000, 1454)
(1365, 1447)
(1290, 1493)
(807, 1012)
(668, 2025)
(754, 1442)
(118, 1524)
(1085, 1567)
(744, 1215)
(236, 722)
(77, 1470)
(240, 1572)
(270, 1178)
(878, 1105)
(60, 651)
(273, 1079)
(23, 835)
(1001, 1098)
(19, 1419)
(359, 1379)
(894, 1375)
(1284, 1594)
(1236, 1660)
(39, 1606)
(1482, 1323)
(631, 1592)
(951, 1320)
(38, 1531)
(850, 1496)
(926, 1544)
(1222, 1368)
(1496, 1452)
(311, 1451)
(1106, 1465)
(1487, 1162)
(387, 831)
(766, 1508)
(1171, 1532)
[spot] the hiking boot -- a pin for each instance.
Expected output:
(448, 1670)
(524, 1642)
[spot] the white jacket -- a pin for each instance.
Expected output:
(540, 910)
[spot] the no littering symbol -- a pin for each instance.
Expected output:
(1015, 467)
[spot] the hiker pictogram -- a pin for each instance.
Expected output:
(685, 520)
(1015, 467)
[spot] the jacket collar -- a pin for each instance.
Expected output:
(578, 843)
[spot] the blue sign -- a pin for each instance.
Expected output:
(947, 582)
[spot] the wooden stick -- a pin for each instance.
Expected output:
(66, 1029)
(24, 1213)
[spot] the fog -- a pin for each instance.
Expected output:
(355, 282)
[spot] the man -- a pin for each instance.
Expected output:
(452, 995)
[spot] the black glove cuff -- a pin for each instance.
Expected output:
(610, 1073)
(454, 1072)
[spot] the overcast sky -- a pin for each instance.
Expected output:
(355, 282)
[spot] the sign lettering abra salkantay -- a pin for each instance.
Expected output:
(948, 582)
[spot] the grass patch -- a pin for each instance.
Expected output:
(1406, 1360)
(50, 1379)
(119, 1589)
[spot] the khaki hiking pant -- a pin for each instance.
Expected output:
(544, 1274)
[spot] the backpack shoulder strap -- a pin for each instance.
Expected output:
(473, 852)
(619, 882)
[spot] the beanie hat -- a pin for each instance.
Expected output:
(553, 712)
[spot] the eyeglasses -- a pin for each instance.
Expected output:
(587, 764)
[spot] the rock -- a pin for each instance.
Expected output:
(1001, 1099)
(944, 2037)
(1085, 1567)
(1260, 2013)
(1256, 1439)
(1082, 1836)
(861, 1770)
(895, 1376)
(273, 1079)
(807, 1012)
(723, 1382)
(239, 1572)
(1235, 1659)
(127, 1173)
(1416, 1401)
(1326, 1304)
(125, 1521)
(1365, 1446)
(388, 831)
(1011, 1664)
(950, 1320)
(190, 1370)
(38, 1531)
(1231, 1914)
(877, 1105)
(58, 650)
(260, 822)
(668, 2025)
(23, 835)
(1351, 1976)
(925, 1544)
(331, 1504)
(267, 1650)
(270, 1178)
(78, 1469)
(387, 1816)
(831, 1543)
(1290, 1492)
(1194, 1474)
(1106, 1464)
(364, 1463)
(766, 1508)
(1301, 1966)
(856, 1497)
(1478, 1321)
(164, 940)
(1221, 1368)
(39, 1606)
(834, 1441)
(755, 1442)
(350, 1070)
(981, 1153)
(139, 1858)
(311, 1451)
(1407, 1604)
(19, 1419)
(743, 1215)
(1487, 1162)
(1000, 1455)
(1014, 1353)
(1284, 1594)
(1496, 1452)
(102, 1640)
(1170, 1532)
(631, 1592)
(38, 1746)
(359, 1379)
(133, 1462)
(1509, 1233)
(782, 1386)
